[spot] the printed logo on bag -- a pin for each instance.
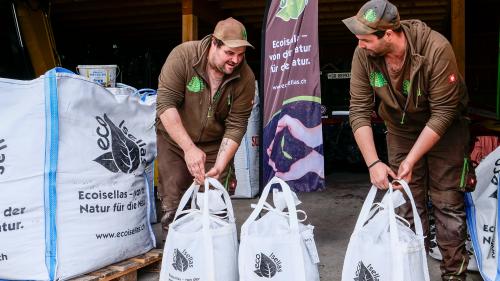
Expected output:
(494, 194)
(267, 266)
(366, 273)
(496, 169)
(489, 239)
(494, 179)
(3, 146)
(127, 152)
(182, 260)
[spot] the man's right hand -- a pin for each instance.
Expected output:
(195, 161)
(379, 175)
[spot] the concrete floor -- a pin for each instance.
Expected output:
(333, 213)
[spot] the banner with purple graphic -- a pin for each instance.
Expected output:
(292, 137)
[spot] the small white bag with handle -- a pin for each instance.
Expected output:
(277, 246)
(202, 241)
(383, 246)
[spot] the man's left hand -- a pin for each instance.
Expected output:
(405, 171)
(214, 173)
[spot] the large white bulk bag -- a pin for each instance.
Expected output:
(202, 242)
(22, 214)
(277, 246)
(88, 196)
(383, 246)
(482, 216)
(246, 159)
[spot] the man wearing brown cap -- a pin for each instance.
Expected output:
(205, 96)
(412, 70)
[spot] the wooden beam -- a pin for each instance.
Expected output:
(189, 21)
(37, 34)
(189, 27)
(458, 32)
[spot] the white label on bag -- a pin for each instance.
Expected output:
(308, 237)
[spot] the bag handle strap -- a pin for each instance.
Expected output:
(294, 224)
(397, 269)
(396, 256)
(416, 217)
(227, 199)
(418, 224)
(365, 210)
(207, 237)
(190, 192)
(270, 208)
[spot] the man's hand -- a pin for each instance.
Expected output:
(379, 175)
(195, 161)
(214, 173)
(405, 171)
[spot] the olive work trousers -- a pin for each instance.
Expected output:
(174, 177)
(437, 176)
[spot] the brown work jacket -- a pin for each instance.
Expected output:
(437, 95)
(184, 84)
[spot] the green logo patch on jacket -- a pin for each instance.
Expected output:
(195, 85)
(406, 87)
(377, 79)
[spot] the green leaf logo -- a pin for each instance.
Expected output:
(195, 85)
(370, 15)
(377, 79)
(406, 87)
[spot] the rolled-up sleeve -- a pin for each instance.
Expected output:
(446, 90)
(171, 82)
(237, 120)
(362, 101)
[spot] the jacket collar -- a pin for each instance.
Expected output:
(416, 59)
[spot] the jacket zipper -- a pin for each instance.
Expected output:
(210, 104)
(412, 78)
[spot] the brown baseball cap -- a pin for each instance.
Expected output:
(375, 15)
(232, 33)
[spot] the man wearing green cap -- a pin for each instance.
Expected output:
(412, 70)
(205, 96)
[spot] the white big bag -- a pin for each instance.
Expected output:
(73, 161)
(384, 247)
(277, 246)
(202, 244)
(482, 216)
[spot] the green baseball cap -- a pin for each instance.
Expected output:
(375, 15)
(232, 33)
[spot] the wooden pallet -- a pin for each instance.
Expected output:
(126, 270)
